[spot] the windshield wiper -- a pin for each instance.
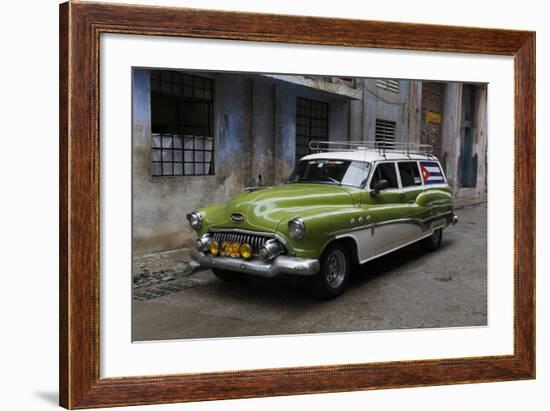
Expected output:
(332, 179)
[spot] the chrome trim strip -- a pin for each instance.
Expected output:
(438, 202)
(417, 221)
(280, 265)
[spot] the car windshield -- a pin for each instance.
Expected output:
(327, 171)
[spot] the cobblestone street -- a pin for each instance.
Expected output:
(174, 299)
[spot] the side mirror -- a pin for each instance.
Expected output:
(379, 186)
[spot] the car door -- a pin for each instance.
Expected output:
(386, 210)
(411, 183)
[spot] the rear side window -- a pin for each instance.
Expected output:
(410, 176)
(431, 172)
(385, 171)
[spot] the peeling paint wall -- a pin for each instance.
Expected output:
(451, 131)
(385, 105)
(480, 139)
(413, 113)
(160, 204)
(262, 171)
(255, 134)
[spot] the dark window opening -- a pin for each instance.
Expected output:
(385, 171)
(182, 124)
(410, 176)
(311, 124)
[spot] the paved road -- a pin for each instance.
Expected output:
(405, 289)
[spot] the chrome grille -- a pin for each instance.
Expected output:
(256, 241)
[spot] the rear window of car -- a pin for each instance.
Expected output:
(431, 172)
(410, 176)
(385, 171)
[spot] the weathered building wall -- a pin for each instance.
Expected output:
(480, 139)
(255, 135)
(413, 112)
(285, 131)
(161, 203)
(357, 119)
(285, 122)
(451, 132)
(385, 105)
(262, 167)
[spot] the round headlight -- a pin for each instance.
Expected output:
(214, 247)
(246, 251)
(194, 219)
(296, 228)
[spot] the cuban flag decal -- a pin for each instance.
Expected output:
(431, 173)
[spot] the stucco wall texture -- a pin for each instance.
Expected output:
(255, 135)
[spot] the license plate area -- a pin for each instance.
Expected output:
(230, 249)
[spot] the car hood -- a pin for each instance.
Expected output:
(265, 209)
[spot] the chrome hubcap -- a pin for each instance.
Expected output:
(336, 269)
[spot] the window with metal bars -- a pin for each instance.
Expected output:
(182, 124)
(177, 155)
(311, 124)
(385, 133)
(182, 85)
(390, 85)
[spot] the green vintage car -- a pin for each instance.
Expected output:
(337, 208)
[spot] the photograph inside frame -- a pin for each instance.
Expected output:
(271, 204)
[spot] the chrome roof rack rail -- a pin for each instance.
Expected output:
(381, 146)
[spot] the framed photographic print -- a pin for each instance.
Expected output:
(258, 205)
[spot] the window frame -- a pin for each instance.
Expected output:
(419, 174)
(183, 151)
(398, 177)
(198, 85)
(297, 136)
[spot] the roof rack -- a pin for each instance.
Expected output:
(381, 146)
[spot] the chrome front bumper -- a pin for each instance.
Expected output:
(279, 265)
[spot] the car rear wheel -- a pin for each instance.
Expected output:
(333, 276)
(432, 242)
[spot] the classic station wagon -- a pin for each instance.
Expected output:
(347, 204)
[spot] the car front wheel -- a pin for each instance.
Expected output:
(432, 242)
(333, 276)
